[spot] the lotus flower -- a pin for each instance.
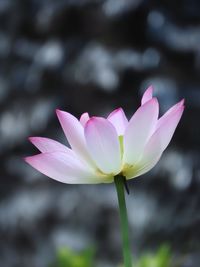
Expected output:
(102, 148)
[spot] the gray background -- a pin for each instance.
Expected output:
(84, 55)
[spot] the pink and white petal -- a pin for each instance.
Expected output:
(119, 120)
(156, 145)
(74, 132)
(84, 118)
(170, 111)
(151, 155)
(48, 145)
(139, 130)
(103, 144)
(161, 138)
(168, 127)
(148, 95)
(64, 168)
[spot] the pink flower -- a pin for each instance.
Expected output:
(102, 148)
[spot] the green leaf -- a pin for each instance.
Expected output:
(162, 258)
(67, 258)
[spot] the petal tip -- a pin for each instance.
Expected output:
(181, 105)
(148, 94)
(61, 112)
(152, 101)
(36, 139)
(182, 102)
(115, 111)
(32, 138)
(118, 109)
(85, 113)
(150, 89)
(27, 159)
(58, 111)
(63, 115)
(32, 159)
(84, 118)
(92, 119)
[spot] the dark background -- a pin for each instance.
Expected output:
(84, 55)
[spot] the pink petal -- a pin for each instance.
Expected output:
(170, 111)
(148, 94)
(64, 168)
(139, 129)
(84, 118)
(119, 120)
(167, 128)
(103, 144)
(48, 145)
(75, 134)
(158, 143)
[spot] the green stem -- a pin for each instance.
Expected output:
(119, 184)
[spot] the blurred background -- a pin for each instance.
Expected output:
(97, 55)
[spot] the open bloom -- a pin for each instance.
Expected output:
(102, 148)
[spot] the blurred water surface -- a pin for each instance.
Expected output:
(93, 55)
